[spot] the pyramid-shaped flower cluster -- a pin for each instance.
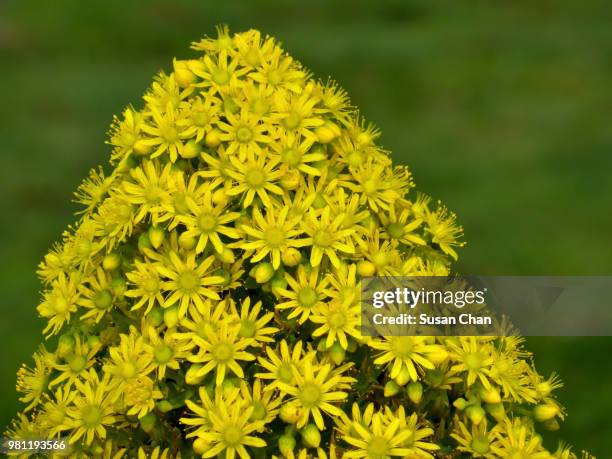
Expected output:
(207, 300)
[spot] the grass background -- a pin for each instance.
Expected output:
(502, 109)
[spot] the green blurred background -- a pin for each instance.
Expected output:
(502, 109)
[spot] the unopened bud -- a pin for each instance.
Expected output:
(403, 376)
(156, 236)
(496, 410)
(366, 268)
(391, 388)
(490, 395)
(212, 139)
(262, 272)
(311, 436)
(545, 412)
(290, 413)
(415, 392)
(182, 74)
(475, 413)
(147, 422)
(337, 353)
(111, 261)
(191, 150)
(171, 317)
(186, 241)
(286, 445)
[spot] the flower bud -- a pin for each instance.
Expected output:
(111, 261)
(291, 257)
(187, 241)
(201, 446)
(290, 180)
(475, 413)
(415, 392)
(212, 139)
(290, 413)
(286, 445)
(191, 150)
(147, 422)
(93, 341)
(460, 404)
(156, 236)
(490, 395)
(220, 197)
(391, 388)
(171, 317)
(545, 411)
(366, 268)
(155, 316)
(164, 406)
(496, 410)
(144, 242)
(142, 148)
(192, 376)
(326, 133)
(403, 376)
(182, 74)
(118, 286)
(262, 272)
(65, 345)
(311, 436)
(337, 353)
(552, 425)
(227, 256)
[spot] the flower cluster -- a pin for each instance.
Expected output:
(207, 300)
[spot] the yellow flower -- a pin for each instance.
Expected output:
(76, 364)
(254, 177)
(315, 392)
(149, 189)
(252, 325)
(227, 427)
(132, 358)
(281, 364)
(139, 395)
(244, 133)
(407, 353)
(145, 286)
(326, 237)
(92, 409)
(33, 382)
(59, 303)
(273, 232)
(208, 222)
(188, 281)
(96, 295)
(306, 295)
(337, 320)
(221, 350)
(166, 133)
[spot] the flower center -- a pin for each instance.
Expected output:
(188, 281)
(255, 178)
(292, 157)
(77, 363)
(91, 415)
(151, 285)
(200, 118)
(232, 435)
(260, 106)
(285, 372)
(395, 230)
(244, 134)
(162, 353)
(247, 328)
(370, 186)
(220, 76)
(207, 223)
(402, 346)
(292, 120)
(310, 395)
(275, 236)
(473, 361)
(259, 411)
(129, 370)
(103, 299)
(222, 352)
(61, 305)
(307, 297)
(336, 320)
(480, 444)
(169, 134)
(378, 447)
(152, 194)
(323, 238)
